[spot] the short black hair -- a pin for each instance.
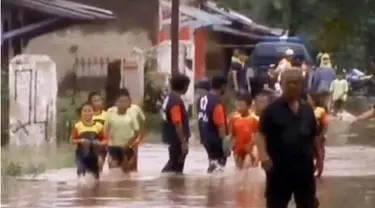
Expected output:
(91, 95)
(179, 82)
(123, 92)
(246, 98)
(80, 108)
(217, 82)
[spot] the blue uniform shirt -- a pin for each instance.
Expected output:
(169, 134)
(207, 128)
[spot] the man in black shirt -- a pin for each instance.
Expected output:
(286, 146)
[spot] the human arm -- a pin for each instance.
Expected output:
(141, 118)
(103, 137)
(265, 126)
(332, 86)
(74, 137)
(219, 120)
(106, 129)
(366, 115)
(136, 129)
(176, 117)
(234, 70)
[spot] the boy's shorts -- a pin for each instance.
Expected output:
(118, 153)
(338, 104)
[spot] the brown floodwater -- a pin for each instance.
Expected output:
(348, 180)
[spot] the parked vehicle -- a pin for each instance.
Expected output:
(360, 83)
(267, 53)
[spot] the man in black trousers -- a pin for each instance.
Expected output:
(286, 143)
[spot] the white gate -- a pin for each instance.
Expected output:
(32, 94)
(186, 65)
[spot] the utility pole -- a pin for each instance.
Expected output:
(175, 14)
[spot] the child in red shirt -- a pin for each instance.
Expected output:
(243, 126)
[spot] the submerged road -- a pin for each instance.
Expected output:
(348, 180)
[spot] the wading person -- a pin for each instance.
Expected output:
(321, 116)
(322, 79)
(238, 71)
(89, 137)
(213, 124)
(137, 113)
(175, 127)
(339, 91)
(96, 100)
(123, 131)
(243, 126)
(283, 65)
(100, 115)
(286, 144)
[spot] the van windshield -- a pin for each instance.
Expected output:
(265, 54)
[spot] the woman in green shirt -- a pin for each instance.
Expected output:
(123, 130)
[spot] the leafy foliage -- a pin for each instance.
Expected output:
(340, 27)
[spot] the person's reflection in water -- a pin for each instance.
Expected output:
(216, 192)
(176, 185)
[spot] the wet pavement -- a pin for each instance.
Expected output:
(348, 180)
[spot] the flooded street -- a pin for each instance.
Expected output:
(348, 180)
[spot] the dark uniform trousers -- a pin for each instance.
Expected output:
(285, 181)
(176, 160)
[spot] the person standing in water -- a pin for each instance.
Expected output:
(212, 123)
(175, 127)
(100, 115)
(339, 91)
(123, 130)
(96, 100)
(89, 137)
(137, 113)
(287, 144)
(243, 126)
(321, 116)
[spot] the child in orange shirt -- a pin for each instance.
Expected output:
(322, 121)
(243, 126)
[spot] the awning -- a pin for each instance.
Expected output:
(32, 30)
(194, 15)
(63, 8)
(62, 13)
(249, 24)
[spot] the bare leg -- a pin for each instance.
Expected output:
(133, 164)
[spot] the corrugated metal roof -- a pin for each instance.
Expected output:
(195, 13)
(236, 16)
(32, 28)
(63, 8)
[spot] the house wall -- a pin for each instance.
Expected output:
(199, 39)
(136, 25)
